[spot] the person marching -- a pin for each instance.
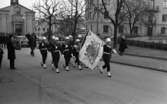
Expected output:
(56, 54)
(67, 53)
(107, 56)
(75, 52)
(43, 51)
(122, 45)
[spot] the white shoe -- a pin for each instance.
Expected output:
(44, 66)
(80, 68)
(108, 74)
(57, 70)
(67, 68)
(52, 65)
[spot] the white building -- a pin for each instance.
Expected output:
(16, 19)
(96, 22)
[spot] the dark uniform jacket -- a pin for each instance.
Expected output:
(43, 47)
(107, 50)
(122, 44)
(67, 50)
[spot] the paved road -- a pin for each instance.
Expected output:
(128, 85)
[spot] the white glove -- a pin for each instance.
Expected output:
(114, 51)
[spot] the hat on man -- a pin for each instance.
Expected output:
(77, 40)
(67, 38)
(55, 38)
(108, 40)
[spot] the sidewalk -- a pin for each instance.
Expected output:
(146, 58)
(146, 52)
(16, 89)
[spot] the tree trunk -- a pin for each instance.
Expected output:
(131, 31)
(50, 28)
(115, 36)
(75, 28)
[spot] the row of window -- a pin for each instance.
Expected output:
(135, 31)
(120, 30)
(39, 29)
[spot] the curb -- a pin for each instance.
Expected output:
(140, 66)
(157, 58)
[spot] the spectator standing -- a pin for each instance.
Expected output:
(122, 45)
(11, 52)
(1, 56)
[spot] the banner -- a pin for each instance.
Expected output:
(91, 51)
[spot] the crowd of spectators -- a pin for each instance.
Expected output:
(4, 39)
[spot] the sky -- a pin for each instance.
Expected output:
(26, 3)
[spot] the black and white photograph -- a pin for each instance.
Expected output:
(83, 51)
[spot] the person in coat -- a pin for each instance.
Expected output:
(1, 56)
(122, 45)
(43, 51)
(32, 43)
(11, 52)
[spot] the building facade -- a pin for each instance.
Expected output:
(97, 22)
(16, 19)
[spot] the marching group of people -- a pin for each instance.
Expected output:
(67, 49)
(58, 49)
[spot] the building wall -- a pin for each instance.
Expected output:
(95, 21)
(25, 18)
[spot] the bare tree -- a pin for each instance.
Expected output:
(116, 17)
(48, 10)
(74, 10)
(135, 10)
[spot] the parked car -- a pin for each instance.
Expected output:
(23, 41)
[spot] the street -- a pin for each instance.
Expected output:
(34, 85)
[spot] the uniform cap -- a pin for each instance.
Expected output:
(108, 40)
(75, 46)
(77, 40)
(79, 36)
(70, 36)
(67, 37)
(44, 38)
(55, 38)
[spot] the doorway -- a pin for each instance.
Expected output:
(19, 29)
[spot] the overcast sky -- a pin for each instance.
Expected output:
(26, 3)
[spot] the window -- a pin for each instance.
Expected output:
(43, 29)
(135, 30)
(106, 14)
(105, 28)
(121, 29)
(164, 17)
(164, 3)
(163, 30)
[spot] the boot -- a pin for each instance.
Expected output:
(44, 66)
(57, 70)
